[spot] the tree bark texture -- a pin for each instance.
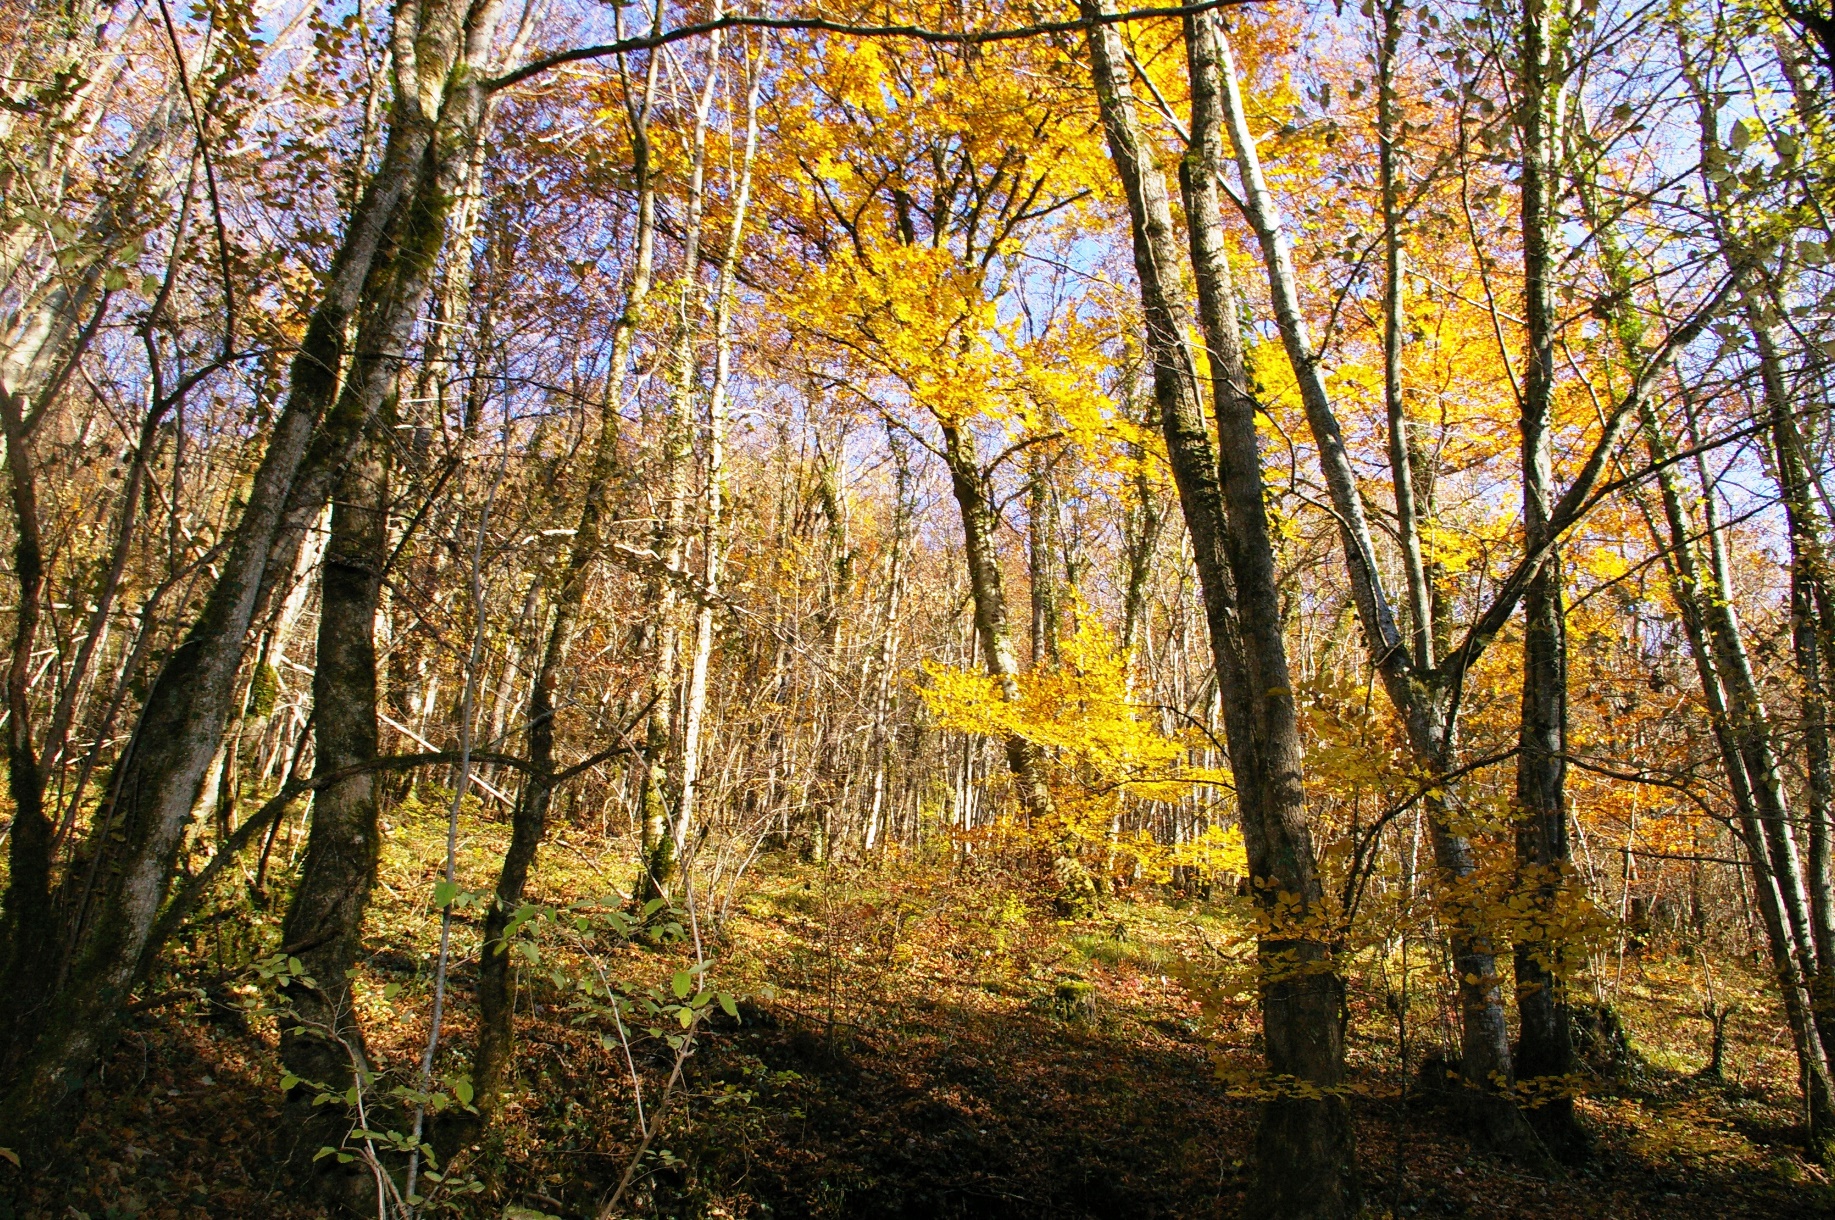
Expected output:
(1305, 1145)
(321, 1042)
(377, 284)
(1545, 1048)
(1305, 1162)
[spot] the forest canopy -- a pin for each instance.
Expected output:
(562, 557)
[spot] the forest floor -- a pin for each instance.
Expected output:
(916, 1040)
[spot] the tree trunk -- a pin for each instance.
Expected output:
(1305, 1159)
(1545, 1049)
(378, 281)
(713, 533)
(529, 821)
(1042, 557)
(28, 923)
(1693, 596)
(989, 596)
(321, 1041)
(1751, 721)
(1813, 645)
(1422, 697)
(1390, 173)
(1305, 1146)
(672, 536)
(1141, 536)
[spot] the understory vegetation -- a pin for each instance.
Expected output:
(925, 1038)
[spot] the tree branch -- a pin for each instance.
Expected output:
(824, 25)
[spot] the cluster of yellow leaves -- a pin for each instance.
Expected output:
(923, 326)
(917, 316)
(870, 121)
(1101, 747)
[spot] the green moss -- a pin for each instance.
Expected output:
(1074, 998)
(1112, 950)
(264, 690)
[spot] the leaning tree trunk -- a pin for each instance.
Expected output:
(529, 822)
(1812, 640)
(377, 284)
(1751, 721)
(1693, 594)
(1305, 1160)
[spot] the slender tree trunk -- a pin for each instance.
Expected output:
(1694, 594)
(1142, 536)
(672, 535)
(529, 822)
(1545, 1049)
(988, 593)
(321, 1040)
(713, 509)
(1813, 644)
(1390, 174)
(880, 825)
(1752, 723)
(1042, 557)
(1759, 751)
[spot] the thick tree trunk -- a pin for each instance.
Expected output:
(1305, 1160)
(1305, 1150)
(27, 923)
(321, 1041)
